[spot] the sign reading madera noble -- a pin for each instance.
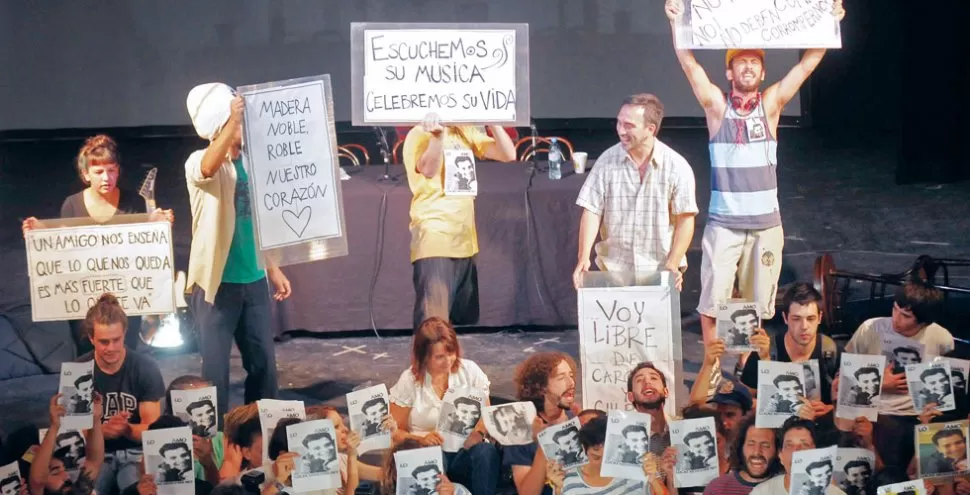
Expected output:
(290, 157)
(71, 267)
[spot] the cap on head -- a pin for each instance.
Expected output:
(732, 54)
(732, 392)
(209, 107)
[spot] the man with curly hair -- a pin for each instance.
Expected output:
(548, 380)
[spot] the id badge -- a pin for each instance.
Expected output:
(461, 176)
(756, 130)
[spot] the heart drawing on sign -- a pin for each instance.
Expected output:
(297, 222)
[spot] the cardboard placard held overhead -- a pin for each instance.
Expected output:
(721, 24)
(290, 155)
(466, 73)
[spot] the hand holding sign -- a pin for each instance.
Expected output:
(432, 124)
(674, 9)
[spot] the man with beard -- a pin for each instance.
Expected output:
(465, 417)
(425, 480)
(81, 400)
(937, 390)
(176, 463)
(320, 455)
(866, 387)
(701, 453)
(788, 399)
(548, 380)
(570, 452)
(743, 235)
(73, 444)
(744, 322)
(754, 461)
(634, 446)
(819, 477)
(916, 305)
(202, 417)
(374, 412)
(857, 474)
(646, 389)
(950, 455)
(639, 198)
(795, 435)
(48, 470)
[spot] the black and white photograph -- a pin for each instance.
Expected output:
(812, 379)
(511, 424)
(853, 468)
(959, 370)
(860, 384)
(76, 388)
(812, 470)
(169, 458)
(941, 449)
(929, 383)
(318, 465)
(197, 408)
(71, 444)
(696, 444)
(561, 443)
(627, 441)
(418, 470)
(900, 351)
(781, 392)
(461, 410)
(736, 321)
(911, 487)
(367, 408)
(10, 479)
(461, 177)
(271, 411)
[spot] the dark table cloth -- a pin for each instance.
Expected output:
(527, 234)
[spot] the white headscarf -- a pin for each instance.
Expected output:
(209, 107)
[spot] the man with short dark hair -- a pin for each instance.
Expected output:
(903, 356)
(636, 440)
(73, 443)
(701, 453)
(744, 323)
(857, 474)
(866, 387)
(950, 455)
(819, 477)
(374, 412)
(916, 306)
(425, 479)
(936, 387)
(176, 462)
(646, 389)
(788, 398)
(639, 199)
(80, 402)
(467, 413)
(321, 453)
(10, 485)
(202, 418)
(570, 452)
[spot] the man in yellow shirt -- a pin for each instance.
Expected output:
(443, 237)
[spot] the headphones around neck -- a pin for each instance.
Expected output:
(740, 105)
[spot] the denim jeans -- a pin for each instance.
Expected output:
(241, 313)
(119, 471)
(477, 468)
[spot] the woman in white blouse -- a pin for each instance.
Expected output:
(417, 399)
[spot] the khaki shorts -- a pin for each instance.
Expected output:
(754, 256)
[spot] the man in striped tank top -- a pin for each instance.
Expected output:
(743, 237)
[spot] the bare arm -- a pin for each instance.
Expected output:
(215, 154)
(503, 149)
(403, 431)
(432, 158)
(40, 467)
(148, 412)
(707, 94)
(589, 226)
(779, 94)
(94, 446)
(683, 233)
(530, 480)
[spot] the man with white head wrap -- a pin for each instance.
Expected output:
(230, 298)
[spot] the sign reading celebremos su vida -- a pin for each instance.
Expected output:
(70, 268)
(462, 74)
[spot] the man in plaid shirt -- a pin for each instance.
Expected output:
(639, 197)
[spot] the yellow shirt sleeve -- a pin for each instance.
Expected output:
(478, 141)
(415, 144)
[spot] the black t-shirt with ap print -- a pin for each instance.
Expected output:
(139, 380)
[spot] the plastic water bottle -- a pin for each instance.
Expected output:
(555, 160)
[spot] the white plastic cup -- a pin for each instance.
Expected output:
(579, 162)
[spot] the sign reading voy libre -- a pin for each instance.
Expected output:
(462, 74)
(760, 24)
(70, 268)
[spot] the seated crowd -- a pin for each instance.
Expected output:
(130, 398)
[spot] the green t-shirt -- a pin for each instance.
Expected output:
(218, 455)
(242, 266)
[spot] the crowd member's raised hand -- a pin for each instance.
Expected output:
(284, 466)
(762, 342)
(353, 443)
(445, 486)
(389, 424)
(202, 448)
(432, 439)
(146, 485)
(863, 429)
(555, 475)
(961, 486)
(117, 426)
(894, 383)
(160, 215)
(820, 408)
(928, 413)
(805, 410)
(56, 411)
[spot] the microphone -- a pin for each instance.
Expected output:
(535, 140)
(385, 151)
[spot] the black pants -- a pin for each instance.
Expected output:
(894, 439)
(446, 288)
(241, 313)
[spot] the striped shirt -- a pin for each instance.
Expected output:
(744, 184)
(636, 229)
(729, 484)
(573, 484)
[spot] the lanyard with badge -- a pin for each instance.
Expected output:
(461, 175)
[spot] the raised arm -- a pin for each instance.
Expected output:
(503, 149)
(94, 443)
(707, 94)
(215, 154)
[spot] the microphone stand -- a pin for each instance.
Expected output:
(532, 161)
(385, 153)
